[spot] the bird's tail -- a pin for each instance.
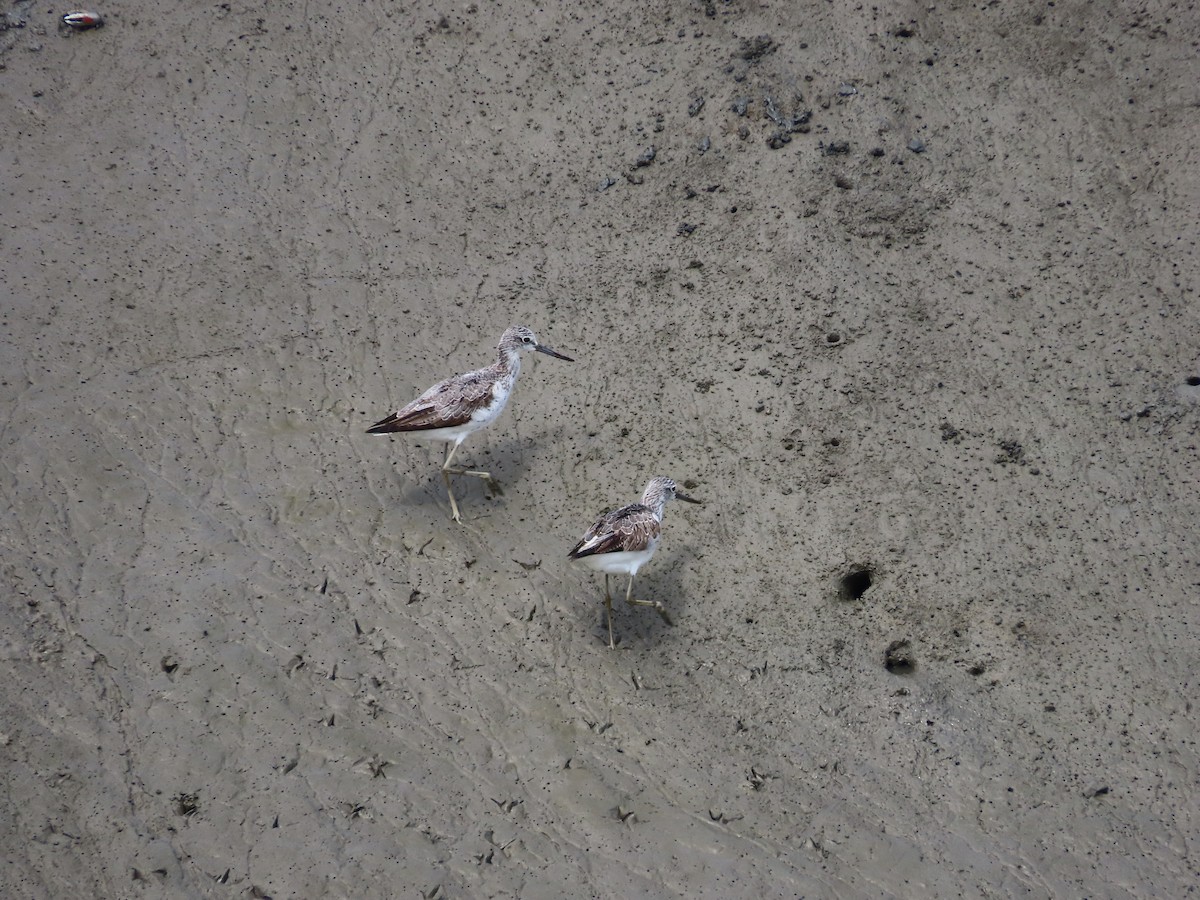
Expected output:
(386, 426)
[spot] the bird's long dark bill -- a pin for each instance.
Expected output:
(685, 498)
(543, 349)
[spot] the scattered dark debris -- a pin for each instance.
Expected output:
(740, 106)
(634, 178)
(645, 157)
(950, 433)
(842, 182)
(904, 30)
(169, 665)
(916, 145)
(834, 148)
(772, 111)
(695, 106)
(186, 804)
(1011, 452)
(528, 566)
(755, 48)
(976, 669)
(685, 229)
(1142, 413)
(798, 121)
(877, 152)
(779, 139)
(898, 658)
(703, 387)
(1098, 791)
(757, 779)
(414, 597)
(743, 131)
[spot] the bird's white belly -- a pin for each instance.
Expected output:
(446, 435)
(622, 562)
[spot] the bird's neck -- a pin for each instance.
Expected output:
(509, 362)
(654, 501)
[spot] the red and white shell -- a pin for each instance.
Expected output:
(82, 20)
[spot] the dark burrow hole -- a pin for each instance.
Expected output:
(898, 658)
(833, 338)
(855, 583)
(1193, 380)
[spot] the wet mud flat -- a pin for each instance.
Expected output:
(906, 296)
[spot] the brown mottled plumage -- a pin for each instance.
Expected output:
(631, 528)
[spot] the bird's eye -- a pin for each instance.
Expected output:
(527, 339)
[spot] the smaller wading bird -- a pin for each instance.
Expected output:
(458, 406)
(622, 541)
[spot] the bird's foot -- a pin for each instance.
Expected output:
(662, 610)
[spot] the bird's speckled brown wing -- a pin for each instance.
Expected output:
(447, 404)
(631, 527)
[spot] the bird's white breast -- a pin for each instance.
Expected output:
(622, 562)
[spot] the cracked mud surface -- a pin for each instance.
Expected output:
(941, 331)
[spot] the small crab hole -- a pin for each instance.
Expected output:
(855, 583)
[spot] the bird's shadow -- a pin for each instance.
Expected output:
(643, 626)
(420, 480)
